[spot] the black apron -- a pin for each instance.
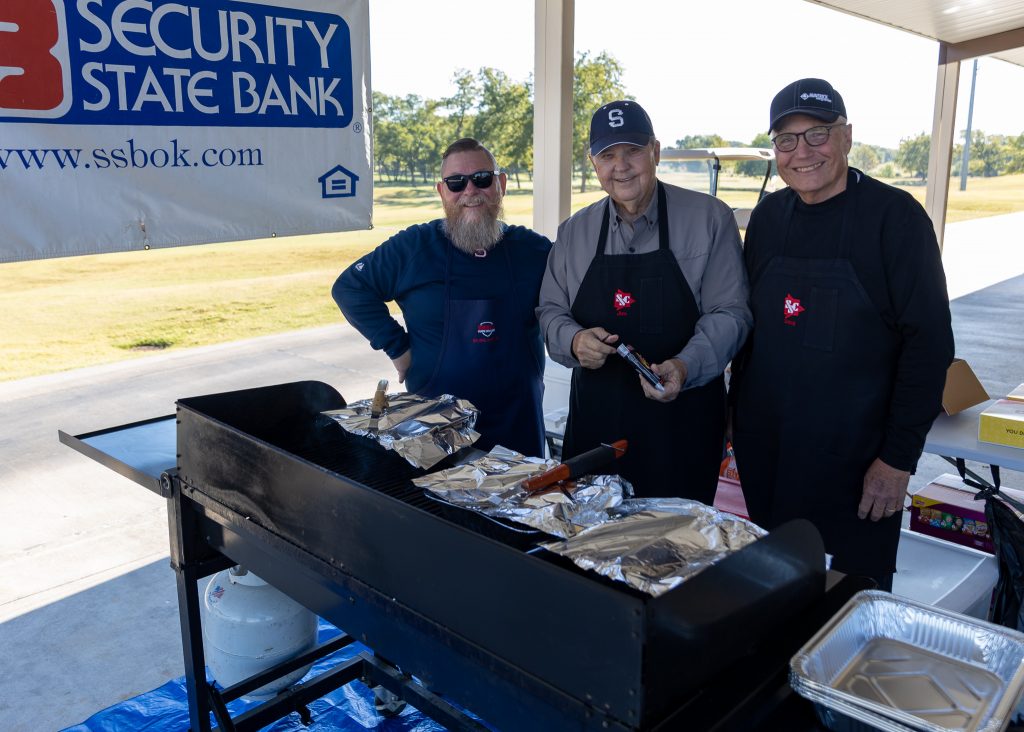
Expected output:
(486, 358)
(675, 449)
(813, 401)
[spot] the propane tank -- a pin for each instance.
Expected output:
(249, 626)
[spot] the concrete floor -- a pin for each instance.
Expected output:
(88, 611)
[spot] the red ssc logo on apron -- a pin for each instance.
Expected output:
(622, 302)
(791, 308)
(485, 332)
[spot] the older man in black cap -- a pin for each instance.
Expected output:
(658, 268)
(843, 375)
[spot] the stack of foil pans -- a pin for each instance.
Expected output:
(889, 663)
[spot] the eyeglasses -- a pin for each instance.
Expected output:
(481, 179)
(815, 136)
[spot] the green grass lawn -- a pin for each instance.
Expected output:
(983, 197)
(80, 311)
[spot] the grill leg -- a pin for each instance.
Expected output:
(190, 559)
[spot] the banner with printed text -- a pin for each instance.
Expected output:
(136, 124)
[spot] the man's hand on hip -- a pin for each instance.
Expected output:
(402, 364)
(884, 490)
(592, 346)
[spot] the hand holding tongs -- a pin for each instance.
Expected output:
(588, 462)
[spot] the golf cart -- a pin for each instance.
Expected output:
(683, 167)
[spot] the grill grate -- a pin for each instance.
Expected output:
(363, 461)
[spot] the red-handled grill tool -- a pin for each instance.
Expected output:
(588, 462)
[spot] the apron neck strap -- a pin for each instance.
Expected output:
(662, 217)
(602, 238)
(849, 213)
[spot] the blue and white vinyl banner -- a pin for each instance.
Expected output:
(130, 124)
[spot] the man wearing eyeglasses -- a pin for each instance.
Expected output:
(658, 268)
(842, 377)
(467, 286)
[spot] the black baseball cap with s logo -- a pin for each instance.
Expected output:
(619, 122)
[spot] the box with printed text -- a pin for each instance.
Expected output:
(1002, 423)
(946, 509)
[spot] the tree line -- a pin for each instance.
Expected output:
(989, 155)
(411, 132)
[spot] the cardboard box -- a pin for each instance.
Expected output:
(729, 498)
(962, 390)
(1002, 423)
(1017, 394)
(946, 509)
(730, 495)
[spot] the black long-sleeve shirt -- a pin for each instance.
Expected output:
(896, 257)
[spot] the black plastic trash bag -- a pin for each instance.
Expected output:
(1007, 531)
(1008, 537)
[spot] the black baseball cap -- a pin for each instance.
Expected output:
(813, 97)
(618, 122)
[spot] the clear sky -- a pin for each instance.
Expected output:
(700, 67)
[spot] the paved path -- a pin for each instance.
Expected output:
(982, 252)
(88, 611)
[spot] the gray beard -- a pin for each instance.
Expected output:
(471, 236)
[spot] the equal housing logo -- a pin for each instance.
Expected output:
(160, 62)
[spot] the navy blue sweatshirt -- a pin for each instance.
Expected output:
(409, 269)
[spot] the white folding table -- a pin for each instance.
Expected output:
(956, 436)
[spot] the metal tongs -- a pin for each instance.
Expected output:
(562, 477)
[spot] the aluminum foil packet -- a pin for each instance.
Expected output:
(492, 485)
(655, 544)
(422, 430)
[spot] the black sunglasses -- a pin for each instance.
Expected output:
(481, 179)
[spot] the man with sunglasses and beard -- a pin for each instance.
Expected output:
(658, 268)
(467, 286)
(843, 375)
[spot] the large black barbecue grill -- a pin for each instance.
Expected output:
(472, 608)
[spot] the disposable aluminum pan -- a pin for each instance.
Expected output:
(899, 665)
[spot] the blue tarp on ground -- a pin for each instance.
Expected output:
(349, 708)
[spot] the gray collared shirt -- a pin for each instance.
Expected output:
(705, 242)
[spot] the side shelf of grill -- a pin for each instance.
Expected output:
(141, 451)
